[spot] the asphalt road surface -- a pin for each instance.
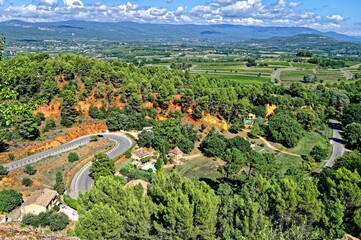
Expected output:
(338, 148)
(82, 180)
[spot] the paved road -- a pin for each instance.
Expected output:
(51, 152)
(82, 181)
(338, 148)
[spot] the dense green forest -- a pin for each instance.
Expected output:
(260, 203)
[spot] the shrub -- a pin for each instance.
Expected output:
(27, 182)
(128, 154)
(58, 221)
(318, 153)
(159, 164)
(132, 172)
(71, 202)
(94, 138)
(49, 124)
(9, 199)
(145, 159)
(30, 219)
(30, 170)
(11, 157)
(3, 172)
(73, 157)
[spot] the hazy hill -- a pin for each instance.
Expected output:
(130, 31)
(316, 43)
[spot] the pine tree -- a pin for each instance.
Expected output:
(59, 184)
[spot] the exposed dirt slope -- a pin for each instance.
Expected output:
(70, 135)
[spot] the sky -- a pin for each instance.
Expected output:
(341, 16)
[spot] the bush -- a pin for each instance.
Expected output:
(94, 138)
(73, 157)
(30, 170)
(235, 128)
(318, 153)
(71, 202)
(3, 172)
(27, 182)
(145, 159)
(9, 200)
(132, 172)
(128, 154)
(310, 78)
(58, 221)
(56, 208)
(49, 124)
(159, 164)
(30, 219)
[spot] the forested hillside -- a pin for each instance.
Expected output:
(253, 199)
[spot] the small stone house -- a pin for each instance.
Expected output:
(40, 201)
(176, 154)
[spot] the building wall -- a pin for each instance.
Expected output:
(33, 208)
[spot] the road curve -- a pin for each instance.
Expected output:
(82, 181)
(338, 148)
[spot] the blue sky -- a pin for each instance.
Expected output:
(326, 15)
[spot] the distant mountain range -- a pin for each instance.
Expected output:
(142, 32)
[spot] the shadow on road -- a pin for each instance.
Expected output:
(336, 126)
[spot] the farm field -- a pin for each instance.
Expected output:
(325, 75)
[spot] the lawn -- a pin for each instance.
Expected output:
(287, 161)
(307, 142)
(199, 168)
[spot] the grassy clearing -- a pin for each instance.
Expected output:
(199, 168)
(307, 142)
(120, 165)
(287, 161)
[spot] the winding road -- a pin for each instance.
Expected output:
(338, 148)
(82, 180)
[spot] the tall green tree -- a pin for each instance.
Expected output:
(102, 166)
(9, 200)
(285, 129)
(59, 185)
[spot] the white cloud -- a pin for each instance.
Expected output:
(1, 2)
(73, 3)
(47, 2)
(179, 10)
(245, 12)
(293, 4)
(335, 17)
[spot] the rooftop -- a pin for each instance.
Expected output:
(41, 197)
(176, 151)
(141, 153)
